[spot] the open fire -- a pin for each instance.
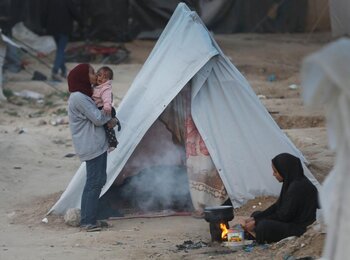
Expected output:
(224, 232)
(234, 234)
(218, 218)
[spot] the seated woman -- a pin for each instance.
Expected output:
(295, 208)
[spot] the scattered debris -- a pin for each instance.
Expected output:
(58, 141)
(69, 155)
(293, 86)
(42, 122)
(37, 75)
(262, 97)
(36, 114)
(21, 130)
(45, 220)
(59, 121)
(219, 252)
(271, 77)
(189, 244)
(307, 246)
(29, 94)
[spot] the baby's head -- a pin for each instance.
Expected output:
(103, 75)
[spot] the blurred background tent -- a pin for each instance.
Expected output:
(124, 20)
(340, 18)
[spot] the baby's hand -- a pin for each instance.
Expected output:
(112, 123)
(107, 111)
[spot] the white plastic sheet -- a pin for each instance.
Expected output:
(30, 40)
(325, 79)
(2, 60)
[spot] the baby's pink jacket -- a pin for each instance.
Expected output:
(102, 95)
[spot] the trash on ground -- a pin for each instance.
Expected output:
(293, 86)
(29, 94)
(189, 244)
(271, 77)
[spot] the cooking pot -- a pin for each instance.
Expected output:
(218, 214)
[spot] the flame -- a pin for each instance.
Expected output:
(224, 231)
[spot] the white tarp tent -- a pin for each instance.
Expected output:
(239, 133)
(325, 79)
(2, 60)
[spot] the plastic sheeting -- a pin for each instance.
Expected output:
(32, 41)
(238, 131)
(2, 60)
(325, 78)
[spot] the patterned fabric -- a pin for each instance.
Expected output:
(112, 139)
(206, 186)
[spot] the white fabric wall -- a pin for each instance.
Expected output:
(2, 60)
(326, 83)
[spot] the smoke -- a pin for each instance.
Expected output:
(157, 175)
(158, 188)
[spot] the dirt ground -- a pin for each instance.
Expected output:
(36, 162)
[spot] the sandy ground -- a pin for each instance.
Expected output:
(36, 165)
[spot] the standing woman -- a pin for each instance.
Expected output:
(295, 208)
(86, 124)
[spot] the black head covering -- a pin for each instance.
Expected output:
(290, 168)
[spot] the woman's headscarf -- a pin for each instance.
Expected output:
(290, 168)
(79, 81)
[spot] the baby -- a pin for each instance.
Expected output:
(103, 97)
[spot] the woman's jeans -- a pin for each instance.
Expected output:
(95, 179)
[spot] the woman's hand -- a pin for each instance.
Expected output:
(112, 123)
(107, 111)
(249, 225)
(249, 219)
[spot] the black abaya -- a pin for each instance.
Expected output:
(295, 208)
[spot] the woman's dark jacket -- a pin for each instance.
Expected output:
(298, 200)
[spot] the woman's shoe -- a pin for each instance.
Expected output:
(103, 224)
(90, 228)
